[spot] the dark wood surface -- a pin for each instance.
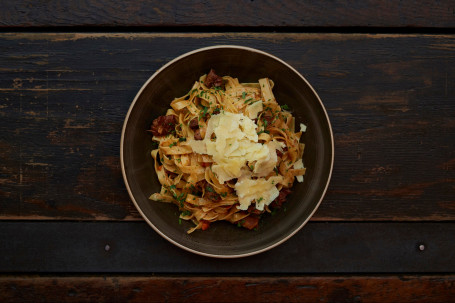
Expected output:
(385, 230)
(322, 248)
(390, 99)
(249, 13)
(338, 288)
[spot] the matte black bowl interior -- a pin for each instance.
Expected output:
(176, 78)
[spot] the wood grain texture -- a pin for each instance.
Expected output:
(228, 289)
(371, 13)
(391, 100)
(134, 247)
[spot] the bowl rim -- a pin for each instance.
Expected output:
(122, 164)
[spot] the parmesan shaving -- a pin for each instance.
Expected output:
(235, 144)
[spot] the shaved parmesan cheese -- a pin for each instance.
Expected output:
(235, 144)
(264, 166)
(298, 165)
(302, 127)
(262, 191)
(253, 110)
(198, 146)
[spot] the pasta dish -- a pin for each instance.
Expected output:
(226, 151)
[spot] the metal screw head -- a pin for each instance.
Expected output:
(107, 247)
(421, 247)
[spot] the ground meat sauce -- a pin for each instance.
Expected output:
(250, 222)
(213, 79)
(211, 194)
(163, 125)
(279, 154)
(194, 123)
(197, 134)
(278, 202)
(253, 210)
(269, 119)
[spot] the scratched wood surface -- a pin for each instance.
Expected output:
(64, 212)
(250, 13)
(220, 289)
(319, 248)
(391, 100)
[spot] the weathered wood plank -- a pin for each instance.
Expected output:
(391, 100)
(372, 13)
(133, 247)
(339, 288)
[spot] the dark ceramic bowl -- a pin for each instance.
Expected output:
(175, 79)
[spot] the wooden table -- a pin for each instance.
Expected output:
(385, 71)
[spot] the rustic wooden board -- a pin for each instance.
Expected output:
(391, 100)
(228, 289)
(371, 13)
(133, 247)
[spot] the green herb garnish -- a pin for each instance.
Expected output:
(210, 189)
(186, 213)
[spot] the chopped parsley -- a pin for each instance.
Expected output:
(275, 170)
(186, 213)
(181, 198)
(210, 189)
(172, 186)
(260, 199)
(285, 106)
(248, 100)
(172, 144)
(182, 139)
(223, 195)
(243, 95)
(203, 112)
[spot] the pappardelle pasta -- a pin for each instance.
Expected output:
(226, 151)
